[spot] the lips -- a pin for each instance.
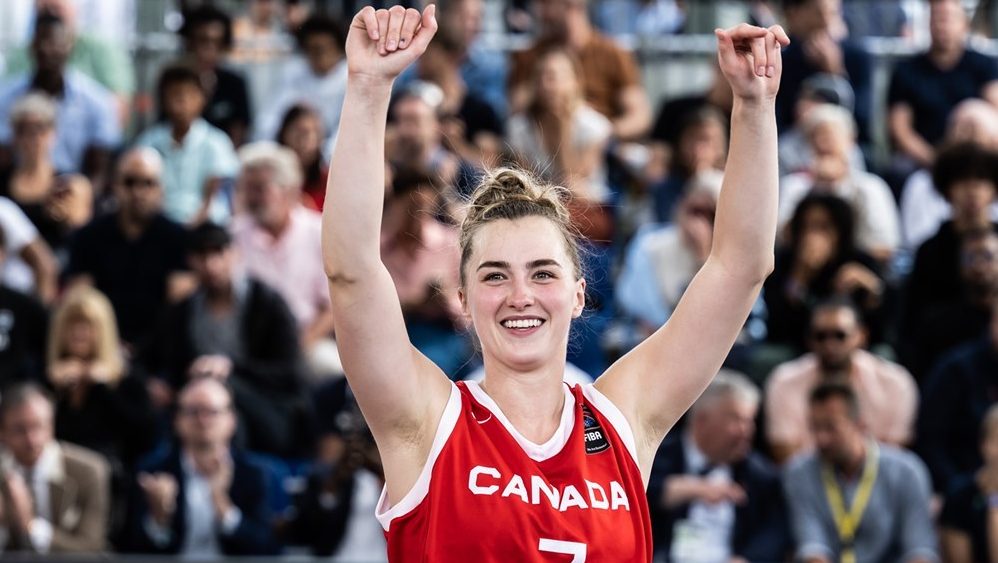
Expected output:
(522, 323)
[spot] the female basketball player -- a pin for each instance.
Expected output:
(521, 467)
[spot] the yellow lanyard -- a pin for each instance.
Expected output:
(847, 522)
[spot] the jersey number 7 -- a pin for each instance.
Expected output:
(576, 549)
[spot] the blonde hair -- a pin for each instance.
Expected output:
(88, 304)
(508, 193)
(34, 104)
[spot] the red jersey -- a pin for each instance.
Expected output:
(487, 494)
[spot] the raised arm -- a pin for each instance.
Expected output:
(401, 393)
(657, 382)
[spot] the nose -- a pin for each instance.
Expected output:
(521, 295)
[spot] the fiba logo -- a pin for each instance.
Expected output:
(593, 434)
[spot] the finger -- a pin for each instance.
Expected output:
(745, 31)
(781, 35)
(776, 54)
(427, 28)
(382, 17)
(771, 46)
(397, 18)
(725, 47)
(409, 25)
(758, 46)
(369, 21)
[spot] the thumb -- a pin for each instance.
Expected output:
(427, 28)
(725, 48)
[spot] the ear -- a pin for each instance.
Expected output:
(464, 301)
(580, 298)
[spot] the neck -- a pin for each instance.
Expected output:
(52, 83)
(276, 228)
(853, 467)
(842, 371)
(179, 130)
(579, 34)
(945, 57)
(963, 224)
(204, 450)
(36, 164)
(131, 227)
(220, 297)
(533, 401)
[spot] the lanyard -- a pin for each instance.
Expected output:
(847, 521)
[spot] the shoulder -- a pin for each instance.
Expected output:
(889, 371)
(83, 463)
(793, 373)
(906, 467)
(802, 469)
(761, 468)
(13, 88)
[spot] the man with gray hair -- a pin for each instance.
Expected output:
(278, 240)
(136, 255)
(711, 497)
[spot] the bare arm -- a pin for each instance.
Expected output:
(400, 392)
(990, 92)
(634, 121)
(656, 382)
(900, 121)
(38, 256)
(956, 546)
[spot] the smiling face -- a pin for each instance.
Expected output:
(521, 292)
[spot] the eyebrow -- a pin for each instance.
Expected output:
(543, 262)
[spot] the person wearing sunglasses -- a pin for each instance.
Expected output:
(112, 250)
(886, 391)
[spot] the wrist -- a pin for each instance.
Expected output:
(765, 104)
(370, 82)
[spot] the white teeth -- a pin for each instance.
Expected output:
(524, 323)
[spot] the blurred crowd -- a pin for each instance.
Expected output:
(170, 377)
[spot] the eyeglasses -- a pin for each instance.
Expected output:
(132, 182)
(31, 127)
(207, 412)
(833, 334)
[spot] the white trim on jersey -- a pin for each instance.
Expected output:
(616, 418)
(536, 452)
(418, 492)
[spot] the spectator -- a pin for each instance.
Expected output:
(56, 205)
(886, 18)
(54, 495)
(30, 266)
(831, 135)
(817, 90)
(966, 175)
(949, 325)
(926, 87)
(885, 391)
(957, 393)
(672, 114)
(923, 208)
(258, 34)
(197, 157)
(421, 255)
(820, 260)
(135, 256)
(236, 329)
(207, 34)
(23, 322)
(611, 82)
(105, 61)
(887, 515)
(301, 131)
(278, 243)
(644, 18)
(967, 532)
(562, 136)
(87, 129)
(202, 498)
(818, 44)
(415, 137)
(713, 498)
(319, 81)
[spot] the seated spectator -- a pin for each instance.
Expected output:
(320, 80)
(965, 534)
(301, 131)
(564, 139)
(926, 87)
(820, 260)
(712, 497)
(611, 81)
(197, 157)
(23, 327)
(414, 139)
(817, 90)
(644, 18)
(113, 250)
(258, 33)
(93, 54)
(278, 242)
(238, 330)
(101, 402)
(831, 134)
(334, 515)
(819, 44)
(54, 495)
(30, 266)
(87, 129)
(923, 207)
(885, 391)
(421, 255)
(967, 176)
(56, 205)
(207, 35)
(956, 395)
(886, 18)
(886, 517)
(203, 498)
(949, 325)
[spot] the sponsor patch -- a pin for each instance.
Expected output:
(595, 438)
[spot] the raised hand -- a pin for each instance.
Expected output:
(381, 43)
(751, 60)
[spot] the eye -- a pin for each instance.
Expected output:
(545, 275)
(494, 276)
